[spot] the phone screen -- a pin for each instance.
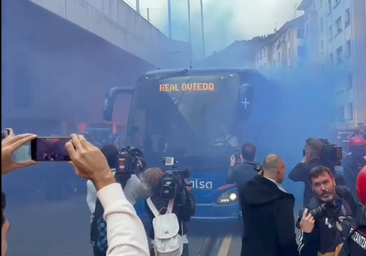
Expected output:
(237, 154)
(49, 149)
(169, 161)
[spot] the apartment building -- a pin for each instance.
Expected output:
(335, 40)
(284, 49)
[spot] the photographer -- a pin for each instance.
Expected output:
(183, 207)
(300, 173)
(239, 171)
(133, 188)
(355, 243)
(324, 222)
(126, 234)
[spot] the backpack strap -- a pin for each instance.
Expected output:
(344, 192)
(170, 206)
(152, 207)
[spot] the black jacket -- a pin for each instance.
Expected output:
(268, 219)
(183, 211)
(326, 238)
(240, 174)
(355, 243)
(300, 173)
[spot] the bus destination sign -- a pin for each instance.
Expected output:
(187, 87)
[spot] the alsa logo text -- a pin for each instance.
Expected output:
(200, 184)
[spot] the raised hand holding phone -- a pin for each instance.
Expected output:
(89, 162)
(8, 146)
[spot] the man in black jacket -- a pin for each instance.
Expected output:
(242, 173)
(300, 173)
(269, 225)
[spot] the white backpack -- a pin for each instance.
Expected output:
(167, 241)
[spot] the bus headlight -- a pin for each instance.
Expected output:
(228, 197)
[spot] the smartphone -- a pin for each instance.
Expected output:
(49, 149)
(237, 153)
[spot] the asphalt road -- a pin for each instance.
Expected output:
(62, 228)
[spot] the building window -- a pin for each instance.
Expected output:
(350, 81)
(329, 6)
(339, 55)
(300, 33)
(340, 113)
(337, 2)
(339, 25)
(348, 48)
(350, 111)
(347, 21)
(322, 46)
(330, 33)
(321, 25)
(300, 51)
(306, 31)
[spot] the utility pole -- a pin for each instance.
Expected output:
(203, 31)
(138, 6)
(189, 21)
(170, 18)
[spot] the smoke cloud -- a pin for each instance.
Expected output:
(224, 21)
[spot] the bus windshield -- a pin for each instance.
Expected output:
(189, 113)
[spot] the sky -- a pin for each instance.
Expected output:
(225, 20)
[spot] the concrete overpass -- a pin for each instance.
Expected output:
(54, 51)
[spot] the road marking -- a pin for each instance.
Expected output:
(224, 250)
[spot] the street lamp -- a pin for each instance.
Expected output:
(202, 31)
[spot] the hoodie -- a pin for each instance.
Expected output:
(269, 225)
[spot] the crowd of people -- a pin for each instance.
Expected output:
(332, 222)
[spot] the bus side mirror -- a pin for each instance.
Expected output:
(110, 99)
(244, 102)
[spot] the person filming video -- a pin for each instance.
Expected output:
(317, 152)
(126, 234)
(172, 205)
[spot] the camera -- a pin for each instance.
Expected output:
(173, 183)
(257, 167)
(331, 154)
(326, 209)
(127, 159)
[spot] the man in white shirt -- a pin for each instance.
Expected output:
(125, 231)
(225, 138)
(133, 188)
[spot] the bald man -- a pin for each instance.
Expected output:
(269, 224)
